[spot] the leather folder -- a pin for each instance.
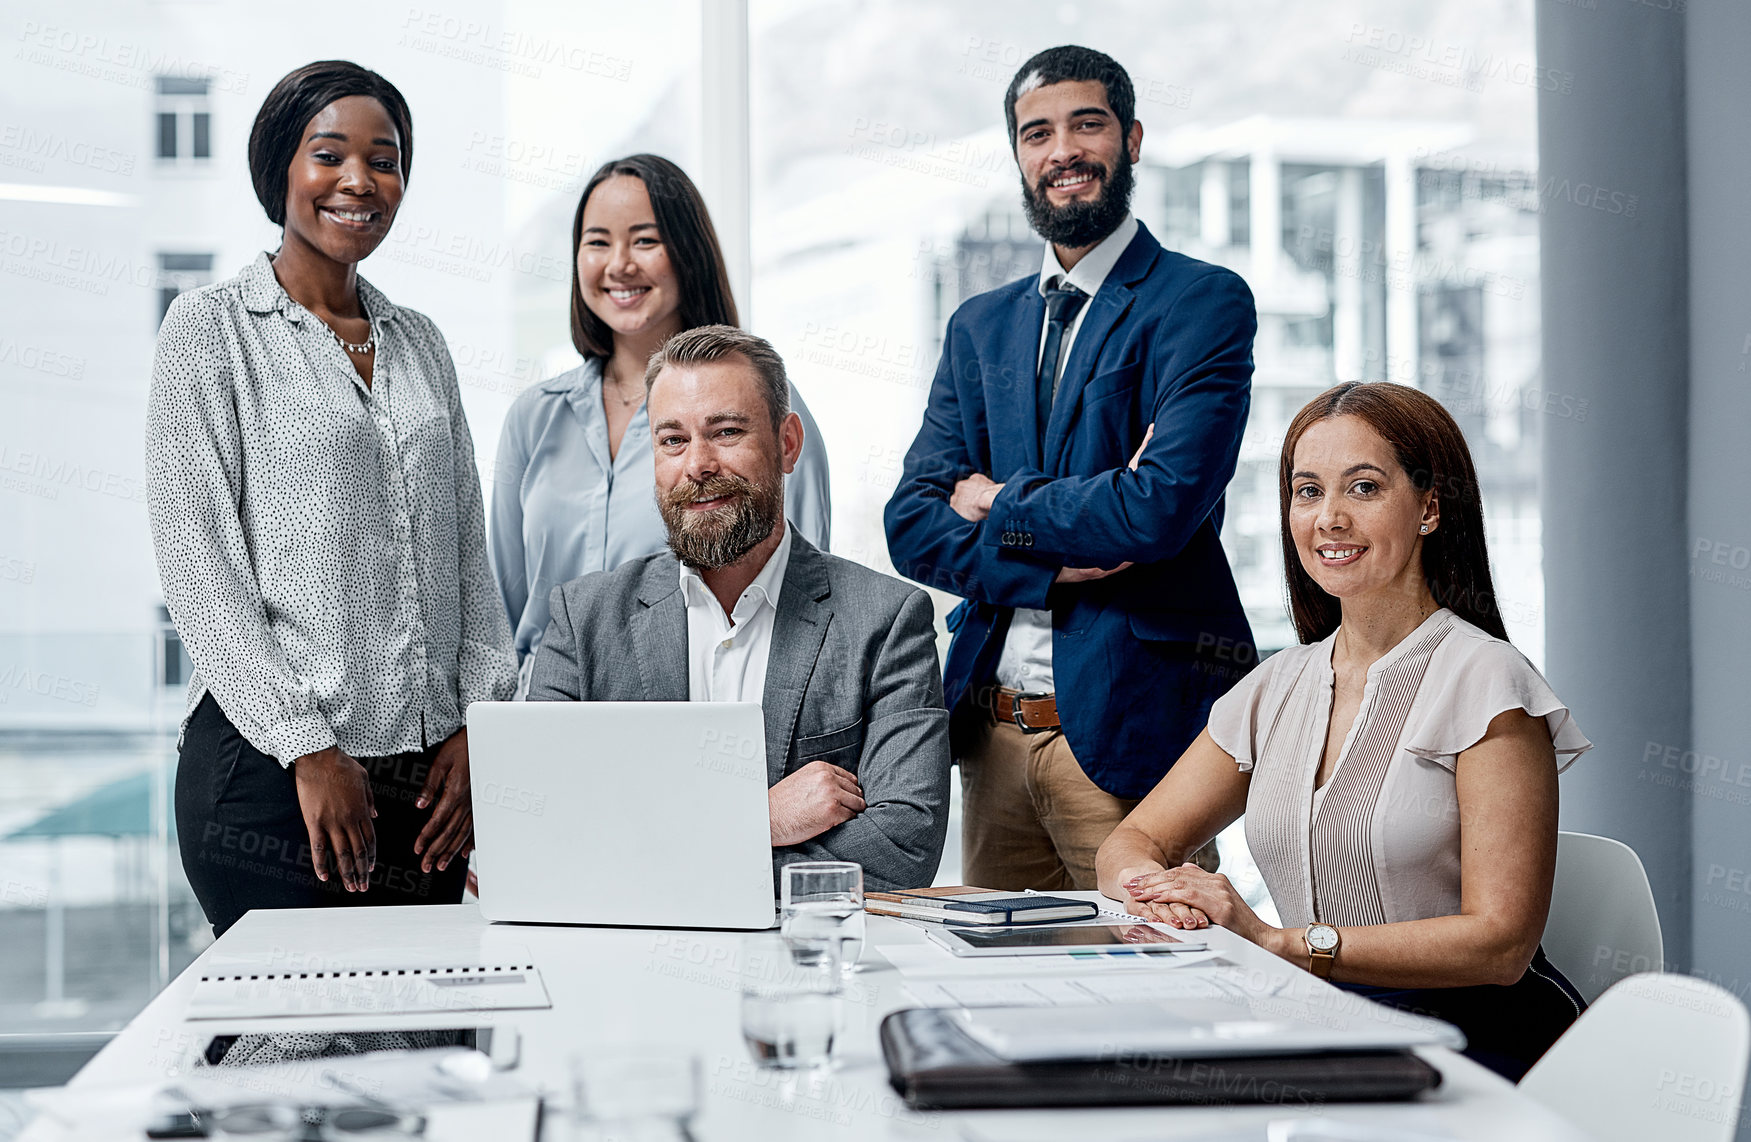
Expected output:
(933, 1065)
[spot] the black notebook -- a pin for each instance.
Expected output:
(960, 904)
(934, 1066)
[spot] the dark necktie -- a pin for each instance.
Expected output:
(1063, 303)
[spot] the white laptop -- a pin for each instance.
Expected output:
(640, 814)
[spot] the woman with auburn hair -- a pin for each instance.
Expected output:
(1398, 768)
(573, 481)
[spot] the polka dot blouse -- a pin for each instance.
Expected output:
(320, 541)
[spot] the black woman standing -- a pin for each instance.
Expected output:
(318, 525)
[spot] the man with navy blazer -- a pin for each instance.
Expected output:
(1067, 482)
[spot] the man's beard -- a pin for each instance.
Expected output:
(1078, 224)
(708, 540)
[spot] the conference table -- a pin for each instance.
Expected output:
(611, 988)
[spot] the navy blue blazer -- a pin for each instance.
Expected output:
(1137, 657)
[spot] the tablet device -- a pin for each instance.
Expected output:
(1057, 940)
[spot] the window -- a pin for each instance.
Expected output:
(185, 122)
(883, 197)
(95, 909)
(174, 665)
(179, 273)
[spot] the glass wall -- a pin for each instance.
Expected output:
(123, 181)
(1365, 166)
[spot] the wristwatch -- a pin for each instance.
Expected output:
(1322, 948)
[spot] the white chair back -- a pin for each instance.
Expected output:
(1657, 1057)
(1603, 926)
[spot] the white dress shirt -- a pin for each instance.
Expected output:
(321, 542)
(727, 654)
(1026, 661)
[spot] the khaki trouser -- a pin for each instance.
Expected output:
(1030, 817)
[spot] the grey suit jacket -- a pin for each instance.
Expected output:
(852, 679)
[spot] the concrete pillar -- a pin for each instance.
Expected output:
(725, 162)
(1615, 316)
(1266, 220)
(1347, 266)
(1400, 249)
(1214, 226)
(1718, 555)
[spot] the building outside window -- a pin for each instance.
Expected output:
(179, 273)
(184, 119)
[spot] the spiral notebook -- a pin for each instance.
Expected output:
(383, 989)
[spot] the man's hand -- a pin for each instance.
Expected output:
(334, 794)
(1087, 574)
(450, 832)
(1090, 574)
(1137, 456)
(812, 800)
(973, 496)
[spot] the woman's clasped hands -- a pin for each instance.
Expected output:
(1187, 897)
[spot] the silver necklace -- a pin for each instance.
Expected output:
(610, 385)
(369, 344)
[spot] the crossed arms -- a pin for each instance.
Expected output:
(948, 519)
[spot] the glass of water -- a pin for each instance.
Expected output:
(635, 1093)
(790, 1003)
(822, 913)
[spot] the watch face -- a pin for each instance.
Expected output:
(1322, 937)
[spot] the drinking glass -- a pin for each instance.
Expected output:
(635, 1094)
(790, 1002)
(822, 914)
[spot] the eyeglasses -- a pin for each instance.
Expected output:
(282, 1121)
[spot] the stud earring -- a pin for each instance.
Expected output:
(1425, 529)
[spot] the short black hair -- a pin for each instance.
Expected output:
(1070, 63)
(288, 109)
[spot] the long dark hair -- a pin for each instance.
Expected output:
(279, 125)
(1431, 449)
(686, 229)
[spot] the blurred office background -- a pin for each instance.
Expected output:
(1371, 167)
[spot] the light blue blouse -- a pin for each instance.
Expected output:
(561, 508)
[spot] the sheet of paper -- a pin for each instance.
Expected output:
(931, 960)
(240, 993)
(1060, 991)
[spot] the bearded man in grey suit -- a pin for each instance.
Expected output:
(741, 608)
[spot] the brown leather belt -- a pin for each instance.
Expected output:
(1033, 713)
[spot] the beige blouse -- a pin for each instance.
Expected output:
(1379, 842)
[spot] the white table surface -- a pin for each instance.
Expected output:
(613, 987)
